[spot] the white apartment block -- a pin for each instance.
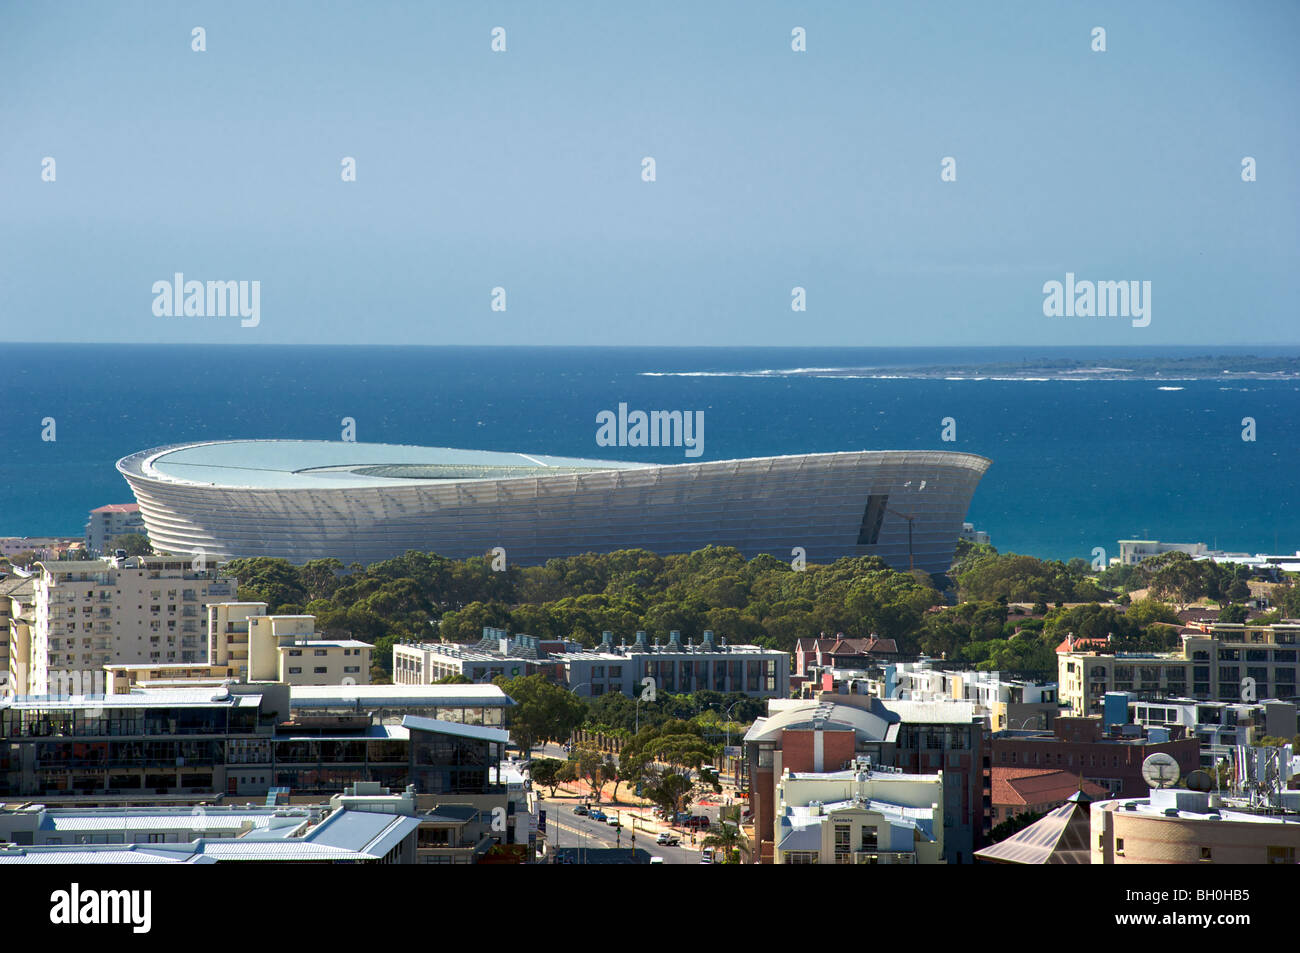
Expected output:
(90, 613)
(106, 523)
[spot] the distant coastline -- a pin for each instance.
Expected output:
(1207, 367)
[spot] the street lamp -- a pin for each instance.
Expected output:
(911, 518)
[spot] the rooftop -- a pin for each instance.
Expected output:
(396, 696)
(333, 464)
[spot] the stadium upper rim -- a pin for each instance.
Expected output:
(336, 464)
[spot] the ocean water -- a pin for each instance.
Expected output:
(1076, 464)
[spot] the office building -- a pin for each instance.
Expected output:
(861, 815)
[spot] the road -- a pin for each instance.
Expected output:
(566, 829)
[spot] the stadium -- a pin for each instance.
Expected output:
(357, 502)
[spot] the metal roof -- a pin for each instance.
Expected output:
(152, 698)
(416, 723)
(397, 696)
(336, 464)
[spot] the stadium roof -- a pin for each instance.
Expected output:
(334, 464)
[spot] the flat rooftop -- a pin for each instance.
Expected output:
(452, 696)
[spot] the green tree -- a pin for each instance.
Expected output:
(135, 544)
(546, 771)
(543, 711)
(594, 767)
(1013, 825)
(1233, 613)
(730, 839)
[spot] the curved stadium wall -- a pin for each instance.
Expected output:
(381, 500)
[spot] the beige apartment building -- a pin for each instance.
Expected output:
(17, 613)
(282, 648)
(1212, 666)
(90, 613)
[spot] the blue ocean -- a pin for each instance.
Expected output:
(1076, 464)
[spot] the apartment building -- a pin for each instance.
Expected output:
(17, 615)
(106, 523)
(1006, 702)
(1220, 727)
(677, 667)
(282, 648)
(89, 613)
(1230, 663)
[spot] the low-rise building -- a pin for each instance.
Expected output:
(1019, 791)
(832, 733)
(1084, 748)
(1176, 826)
(862, 815)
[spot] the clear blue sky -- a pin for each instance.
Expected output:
(775, 169)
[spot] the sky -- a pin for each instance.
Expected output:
(774, 169)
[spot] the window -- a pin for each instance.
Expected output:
(1206, 854)
(320, 670)
(1119, 845)
(295, 652)
(351, 669)
(295, 670)
(320, 652)
(801, 856)
(1281, 855)
(842, 842)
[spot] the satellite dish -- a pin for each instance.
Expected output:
(1160, 770)
(1199, 781)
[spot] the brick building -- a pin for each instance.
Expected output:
(1082, 748)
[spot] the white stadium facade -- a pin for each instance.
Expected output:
(302, 500)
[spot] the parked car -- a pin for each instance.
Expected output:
(707, 856)
(667, 839)
(613, 821)
(582, 810)
(699, 822)
(656, 860)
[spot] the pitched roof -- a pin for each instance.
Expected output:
(1029, 786)
(1061, 837)
(118, 508)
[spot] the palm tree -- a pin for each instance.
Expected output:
(730, 839)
